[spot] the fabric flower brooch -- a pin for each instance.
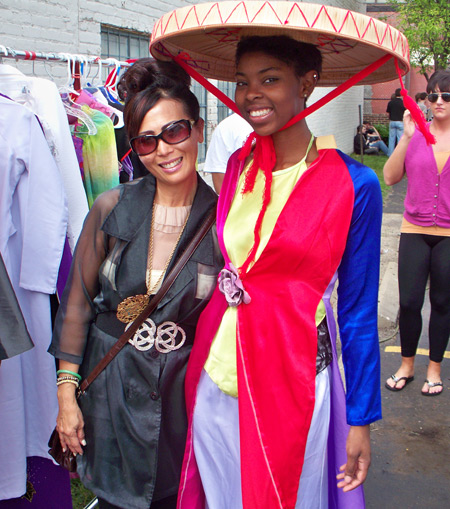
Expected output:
(231, 286)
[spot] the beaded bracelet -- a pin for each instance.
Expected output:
(66, 371)
(67, 377)
(61, 381)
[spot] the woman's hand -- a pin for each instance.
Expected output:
(408, 125)
(394, 169)
(354, 472)
(70, 423)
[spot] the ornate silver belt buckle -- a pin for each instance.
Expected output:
(163, 337)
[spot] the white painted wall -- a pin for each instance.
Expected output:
(73, 26)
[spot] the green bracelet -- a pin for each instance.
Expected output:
(67, 372)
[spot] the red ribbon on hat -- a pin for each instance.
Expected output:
(264, 156)
(416, 113)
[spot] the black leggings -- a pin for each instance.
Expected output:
(421, 256)
(166, 503)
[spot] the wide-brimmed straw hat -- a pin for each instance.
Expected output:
(207, 35)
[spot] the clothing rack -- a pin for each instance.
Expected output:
(7, 52)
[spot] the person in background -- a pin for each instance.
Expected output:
(395, 110)
(129, 428)
(424, 250)
(372, 142)
(420, 100)
(228, 136)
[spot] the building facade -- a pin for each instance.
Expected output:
(121, 29)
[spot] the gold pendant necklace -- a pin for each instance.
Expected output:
(131, 307)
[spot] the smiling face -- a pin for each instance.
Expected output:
(173, 166)
(268, 92)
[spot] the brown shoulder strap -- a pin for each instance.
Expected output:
(151, 306)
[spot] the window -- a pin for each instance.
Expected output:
(124, 44)
(227, 87)
(201, 94)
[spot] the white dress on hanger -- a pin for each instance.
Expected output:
(33, 224)
(41, 96)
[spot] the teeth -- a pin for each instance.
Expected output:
(170, 165)
(260, 113)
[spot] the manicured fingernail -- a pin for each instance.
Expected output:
(83, 442)
(64, 449)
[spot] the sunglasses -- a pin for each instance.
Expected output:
(174, 133)
(435, 96)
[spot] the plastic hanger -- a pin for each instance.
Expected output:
(71, 107)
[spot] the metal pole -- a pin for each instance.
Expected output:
(361, 137)
(8, 52)
(92, 504)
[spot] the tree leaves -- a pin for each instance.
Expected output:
(426, 24)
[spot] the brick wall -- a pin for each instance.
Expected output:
(376, 118)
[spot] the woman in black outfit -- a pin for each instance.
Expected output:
(129, 428)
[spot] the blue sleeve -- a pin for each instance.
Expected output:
(358, 298)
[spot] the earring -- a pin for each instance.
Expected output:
(315, 76)
(305, 95)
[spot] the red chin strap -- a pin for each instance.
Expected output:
(264, 156)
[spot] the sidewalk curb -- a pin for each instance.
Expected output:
(388, 300)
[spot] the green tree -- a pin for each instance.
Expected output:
(426, 24)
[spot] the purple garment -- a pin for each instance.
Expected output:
(427, 201)
(64, 269)
(127, 166)
(78, 144)
(338, 430)
(48, 487)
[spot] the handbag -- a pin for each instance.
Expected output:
(67, 459)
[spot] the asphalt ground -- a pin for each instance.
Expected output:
(411, 444)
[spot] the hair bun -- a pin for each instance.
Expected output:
(146, 71)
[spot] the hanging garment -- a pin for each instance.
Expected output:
(14, 337)
(100, 163)
(41, 96)
(33, 224)
(88, 99)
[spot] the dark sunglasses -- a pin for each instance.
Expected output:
(435, 95)
(174, 133)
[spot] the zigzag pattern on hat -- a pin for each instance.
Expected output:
(309, 16)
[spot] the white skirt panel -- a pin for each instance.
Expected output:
(216, 447)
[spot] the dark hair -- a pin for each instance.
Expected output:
(303, 57)
(397, 92)
(439, 79)
(144, 72)
(162, 88)
(420, 96)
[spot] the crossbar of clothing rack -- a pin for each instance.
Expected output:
(7, 52)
